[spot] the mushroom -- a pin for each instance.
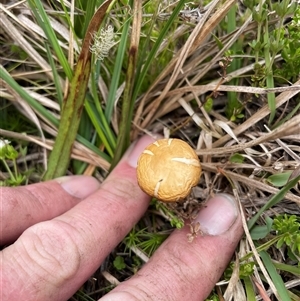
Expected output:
(168, 169)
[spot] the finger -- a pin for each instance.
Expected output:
(59, 255)
(180, 270)
(27, 205)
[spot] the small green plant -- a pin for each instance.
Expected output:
(279, 179)
(290, 69)
(237, 158)
(175, 221)
(133, 238)
(151, 242)
(269, 42)
(146, 241)
(246, 270)
(288, 228)
(8, 153)
(119, 263)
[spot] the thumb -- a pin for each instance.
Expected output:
(180, 270)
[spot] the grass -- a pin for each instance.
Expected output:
(223, 77)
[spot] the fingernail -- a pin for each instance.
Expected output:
(133, 153)
(218, 215)
(79, 186)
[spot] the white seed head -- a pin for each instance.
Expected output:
(103, 42)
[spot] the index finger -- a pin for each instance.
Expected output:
(24, 206)
(52, 259)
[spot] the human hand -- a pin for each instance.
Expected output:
(63, 229)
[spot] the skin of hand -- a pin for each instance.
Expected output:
(60, 231)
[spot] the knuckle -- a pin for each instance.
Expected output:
(123, 190)
(52, 250)
(187, 264)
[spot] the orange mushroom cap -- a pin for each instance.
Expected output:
(168, 169)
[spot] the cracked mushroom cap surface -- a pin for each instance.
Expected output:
(168, 169)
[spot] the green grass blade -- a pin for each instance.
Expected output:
(89, 12)
(117, 72)
(233, 105)
(144, 50)
(287, 268)
(269, 75)
(44, 23)
(92, 147)
(274, 200)
(99, 114)
(249, 289)
(98, 127)
(294, 111)
(58, 89)
(278, 282)
(81, 21)
(150, 57)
